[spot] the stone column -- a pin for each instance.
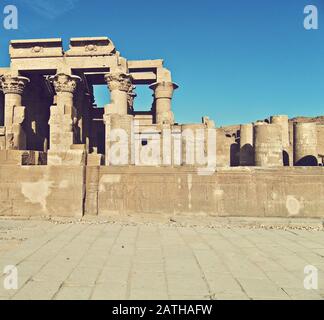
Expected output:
(13, 88)
(117, 115)
(63, 116)
(283, 122)
(119, 85)
(246, 145)
(268, 145)
(305, 144)
(65, 86)
(163, 93)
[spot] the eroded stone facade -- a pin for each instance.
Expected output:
(49, 122)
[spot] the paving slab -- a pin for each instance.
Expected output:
(191, 260)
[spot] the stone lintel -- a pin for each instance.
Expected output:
(36, 48)
(142, 65)
(61, 63)
(98, 46)
(143, 77)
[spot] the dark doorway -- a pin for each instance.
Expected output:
(235, 154)
(308, 161)
(285, 157)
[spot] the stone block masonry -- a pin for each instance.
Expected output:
(74, 191)
(290, 192)
(62, 155)
(42, 191)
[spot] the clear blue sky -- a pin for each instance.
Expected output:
(235, 61)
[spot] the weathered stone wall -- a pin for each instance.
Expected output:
(256, 192)
(73, 191)
(41, 190)
(320, 139)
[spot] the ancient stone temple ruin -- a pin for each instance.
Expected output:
(58, 148)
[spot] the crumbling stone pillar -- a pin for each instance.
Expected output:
(63, 116)
(246, 145)
(163, 92)
(305, 144)
(13, 88)
(120, 85)
(283, 122)
(268, 145)
(118, 121)
(63, 122)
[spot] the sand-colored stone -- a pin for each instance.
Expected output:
(246, 145)
(229, 192)
(283, 122)
(305, 149)
(57, 147)
(268, 149)
(42, 190)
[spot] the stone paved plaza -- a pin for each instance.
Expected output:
(105, 260)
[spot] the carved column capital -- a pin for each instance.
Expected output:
(163, 89)
(163, 92)
(119, 81)
(65, 83)
(13, 84)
